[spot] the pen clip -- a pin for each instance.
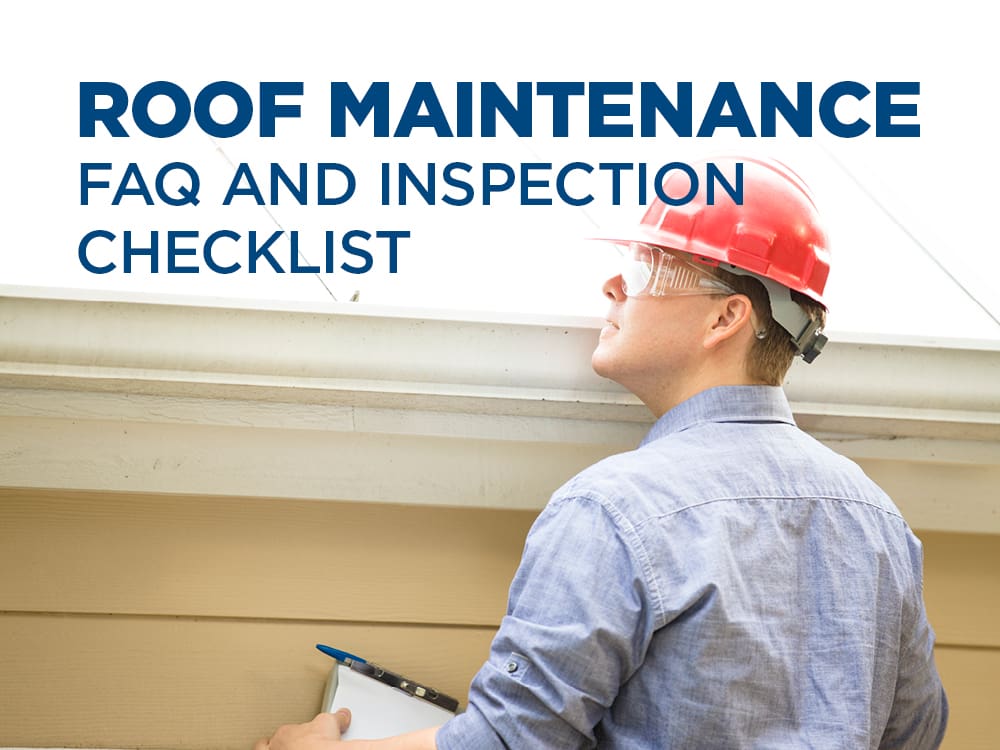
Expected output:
(342, 656)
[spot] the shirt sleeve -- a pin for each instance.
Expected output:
(579, 620)
(919, 712)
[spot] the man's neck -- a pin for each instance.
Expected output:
(665, 395)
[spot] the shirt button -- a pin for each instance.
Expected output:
(511, 666)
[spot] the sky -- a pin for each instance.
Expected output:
(913, 248)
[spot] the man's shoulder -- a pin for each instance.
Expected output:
(730, 462)
(633, 484)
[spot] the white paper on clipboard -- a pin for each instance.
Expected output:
(377, 709)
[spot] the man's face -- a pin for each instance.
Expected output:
(649, 342)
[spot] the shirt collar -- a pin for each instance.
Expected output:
(725, 403)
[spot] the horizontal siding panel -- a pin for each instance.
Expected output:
(241, 557)
(255, 558)
(962, 587)
(136, 682)
(970, 679)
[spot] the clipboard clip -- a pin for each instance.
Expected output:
(370, 669)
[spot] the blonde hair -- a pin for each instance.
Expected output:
(772, 354)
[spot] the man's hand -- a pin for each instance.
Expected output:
(321, 733)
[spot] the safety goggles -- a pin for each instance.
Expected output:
(648, 270)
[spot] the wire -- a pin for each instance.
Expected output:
(923, 248)
(277, 223)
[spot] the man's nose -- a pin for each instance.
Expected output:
(614, 289)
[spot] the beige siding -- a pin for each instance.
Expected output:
(166, 682)
(258, 559)
(962, 593)
(962, 590)
(189, 622)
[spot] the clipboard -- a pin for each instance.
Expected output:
(382, 703)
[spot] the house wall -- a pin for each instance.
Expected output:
(158, 621)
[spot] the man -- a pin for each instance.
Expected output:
(731, 583)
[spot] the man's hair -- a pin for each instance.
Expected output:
(769, 357)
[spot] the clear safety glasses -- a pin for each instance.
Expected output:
(653, 271)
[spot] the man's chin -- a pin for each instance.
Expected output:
(601, 362)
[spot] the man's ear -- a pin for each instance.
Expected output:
(729, 317)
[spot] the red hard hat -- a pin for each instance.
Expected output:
(775, 233)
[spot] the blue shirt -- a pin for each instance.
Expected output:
(731, 583)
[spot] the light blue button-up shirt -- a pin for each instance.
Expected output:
(731, 583)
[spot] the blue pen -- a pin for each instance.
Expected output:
(341, 656)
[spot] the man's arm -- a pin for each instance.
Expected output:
(324, 732)
(920, 707)
(579, 620)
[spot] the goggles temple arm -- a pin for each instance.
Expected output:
(682, 265)
(805, 332)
